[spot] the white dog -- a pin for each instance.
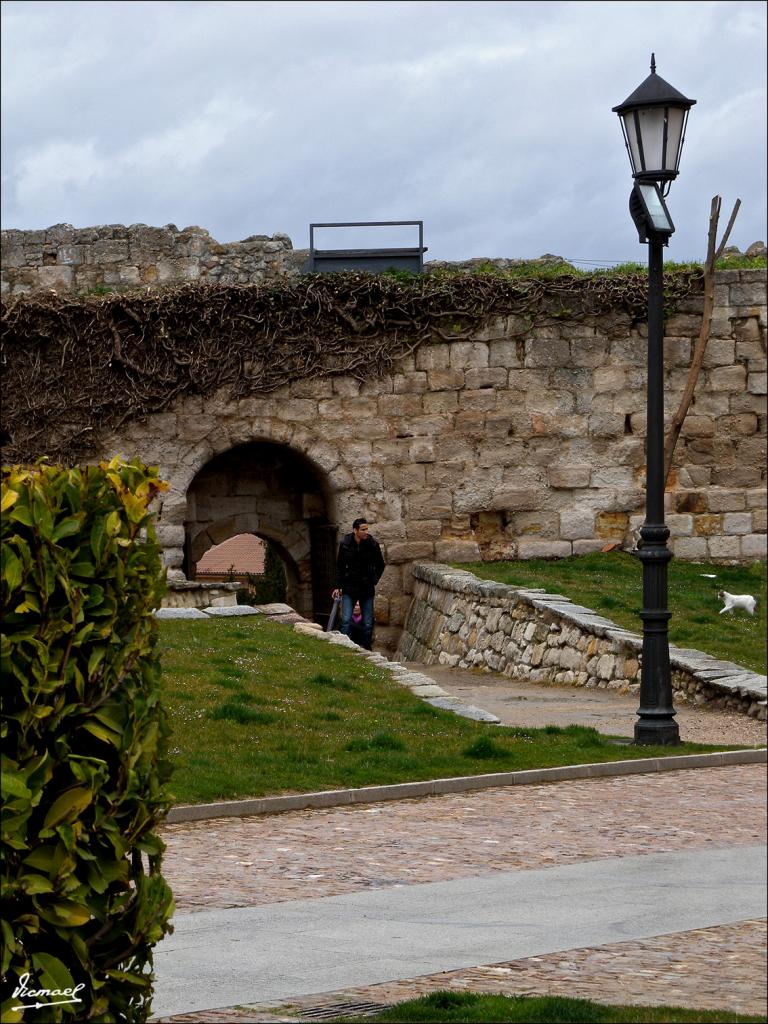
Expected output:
(731, 601)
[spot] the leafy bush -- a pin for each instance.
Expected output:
(84, 740)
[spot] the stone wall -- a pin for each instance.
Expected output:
(113, 256)
(458, 620)
(508, 444)
(494, 447)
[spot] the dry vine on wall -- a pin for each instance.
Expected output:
(76, 367)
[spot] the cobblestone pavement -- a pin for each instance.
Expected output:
(315, 853)
(238, 862)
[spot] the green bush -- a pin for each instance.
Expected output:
(84, 741)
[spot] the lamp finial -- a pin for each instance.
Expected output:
(653, 63)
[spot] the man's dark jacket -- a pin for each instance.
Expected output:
(359, 566)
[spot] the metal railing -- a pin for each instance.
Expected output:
(372, 261)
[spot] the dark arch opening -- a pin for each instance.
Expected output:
(269, 490)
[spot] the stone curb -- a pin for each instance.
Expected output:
(459, 784)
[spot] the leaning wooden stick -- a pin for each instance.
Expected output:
(714, 252)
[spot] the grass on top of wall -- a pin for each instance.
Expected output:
(611, 584)
(257, 710)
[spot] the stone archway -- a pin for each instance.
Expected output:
(274, 492)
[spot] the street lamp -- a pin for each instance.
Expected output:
(653, 121)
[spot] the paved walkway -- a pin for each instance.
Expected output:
(675, 828)
(537, 704)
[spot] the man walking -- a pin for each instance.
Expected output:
(359, 566)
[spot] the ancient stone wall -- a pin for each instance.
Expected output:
(493, 447)
(458, 620)
(511, 443)
(112, 256)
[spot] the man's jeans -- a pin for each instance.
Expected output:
(366, 607)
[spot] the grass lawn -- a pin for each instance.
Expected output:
(611, 584)
(460, 1007)
(257, 710)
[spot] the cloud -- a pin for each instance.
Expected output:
(490, 120)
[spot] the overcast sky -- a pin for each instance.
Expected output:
(491, 122)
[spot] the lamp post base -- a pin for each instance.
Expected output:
(665, 733)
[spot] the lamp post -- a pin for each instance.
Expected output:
(653, 120)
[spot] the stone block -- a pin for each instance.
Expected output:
(754, 545)
(698, 426)
(609, 424)
(503, 354)
(707, 525)
(541, 351)
(445, 380)
(528, 548)
(588, 547)
(737, 523)
(680, 525)
(611, 525)
(429, 504)
(724, 547)
(691, 501)
(300, 410)
(757, 383)
(481, 400)
(465, 355)
(677, 351)
(752, 294)
(57, 278)
(727, 378)
(578, 524)
(748, 403)
(568, 477)
(745, 424)
(457, 551)
(441, 402)
(759, 520)
(485, 377)
(737, 476)
(719, 352)
(398, 553)
(757, 498)
(471, 422)
(613, 476)
(399, 405)
(514, 499)
(423, 426)
(432, 357)
(693, 549)
(410, 383)
(609, 378)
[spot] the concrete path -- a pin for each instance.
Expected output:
(522, 703)
(271, 953)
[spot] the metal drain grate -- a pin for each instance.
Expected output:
(330, 1011)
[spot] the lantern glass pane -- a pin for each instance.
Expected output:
(652, 134)
(631, 134)
(655, 208)
(675, 120)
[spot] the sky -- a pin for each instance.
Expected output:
(489, 121)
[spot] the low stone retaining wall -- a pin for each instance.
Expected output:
(456, 619)
(192, 594)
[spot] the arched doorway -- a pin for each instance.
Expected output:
(273, 492)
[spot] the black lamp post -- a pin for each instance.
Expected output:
(653, 120)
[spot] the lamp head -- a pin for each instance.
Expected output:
(653, 120)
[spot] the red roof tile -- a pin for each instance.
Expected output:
(244, 553)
